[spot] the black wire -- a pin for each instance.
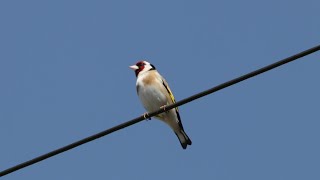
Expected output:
(179, 103)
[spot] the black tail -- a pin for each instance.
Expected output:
(183, 138)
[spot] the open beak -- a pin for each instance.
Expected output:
(134, 67)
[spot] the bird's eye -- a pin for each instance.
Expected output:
(140, 64)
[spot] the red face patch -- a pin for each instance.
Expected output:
(140, 65)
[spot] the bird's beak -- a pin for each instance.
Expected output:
(134, 67)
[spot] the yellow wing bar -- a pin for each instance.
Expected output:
(169, 91)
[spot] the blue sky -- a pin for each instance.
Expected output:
(64, 76)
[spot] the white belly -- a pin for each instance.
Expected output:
(151, 98)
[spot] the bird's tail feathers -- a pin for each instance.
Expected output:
(183, 138)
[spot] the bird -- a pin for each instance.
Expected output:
(154, 93)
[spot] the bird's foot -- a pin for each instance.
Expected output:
(146, 116)
(163, 107)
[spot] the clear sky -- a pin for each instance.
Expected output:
(64, 76)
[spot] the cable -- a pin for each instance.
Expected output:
(148, 115)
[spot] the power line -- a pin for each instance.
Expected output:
(151, 114)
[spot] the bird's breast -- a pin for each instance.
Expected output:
(151, 98)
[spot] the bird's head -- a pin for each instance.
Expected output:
(142, 67)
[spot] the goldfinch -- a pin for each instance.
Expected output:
(154, 93)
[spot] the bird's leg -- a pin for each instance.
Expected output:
(145, 115)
